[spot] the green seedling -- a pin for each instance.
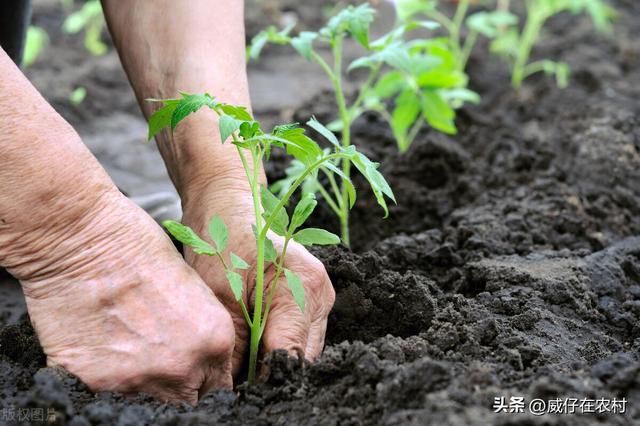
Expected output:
(90, 20)
(78, 95)
(515, 45)
(253, 146)
(418, 77)
(488, 23)
(35, 43)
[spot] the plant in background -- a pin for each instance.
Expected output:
(254, 146)
(90, 19)
(78, 95)
(487, 22)
(417, 77)
(515, 45)
(35, 43)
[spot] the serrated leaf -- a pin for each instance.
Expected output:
(320, 128)
(237, 286)
(299, 145)
(405, 9)
(219, 233)
(190, 104)
(238, 262)
(359, 23)
(269, 203)
(354, 20)
(297, 288)
(378, 183)
(315, 236)
(303, 210)
(237, 112)
(188, 237)
(346, 181)
(303, 43)
(228, 125)
(249, 129)
(437, 112)
(161, 118)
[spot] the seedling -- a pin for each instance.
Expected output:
(35, 43)
(419, 76)
(90, 19)
(515, 46)
(253, 146)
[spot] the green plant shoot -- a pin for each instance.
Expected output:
(90, 19)
(253, 146)
(515, 45)
(418, 76)
(35, 43)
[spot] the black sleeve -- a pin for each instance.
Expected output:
(14, 20)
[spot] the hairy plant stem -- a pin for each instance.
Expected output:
(335, 75)
(458, 19)
(535, 21)
(255, 324)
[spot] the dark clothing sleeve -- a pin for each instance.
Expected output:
(14, 21)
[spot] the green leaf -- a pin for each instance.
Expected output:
(405, 113)
(237, 286)
(378, 183)
(351, 190)
(228, 125)
(249, 129)
(458, 96)
(299, 145)
(359, 23)
(405, 9)
(219, 233)
(188, 237)
(488, 23)
(270, 35)
(35, 43)
(78, 95)
(238, 262)
(320, 128)
(235, 111)
(441, 78)
(269, 204)
(190, 104)
(161, 118)
(303, 210)
(389, 84)
(297, 289)
(354, 20)
(304, 43)
(315, 236)
(437, 112)
(270, 253)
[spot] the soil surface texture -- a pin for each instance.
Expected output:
(510, 266)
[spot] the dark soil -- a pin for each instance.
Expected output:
(510, 266)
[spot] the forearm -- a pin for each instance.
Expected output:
(167, 47)
(46, 171)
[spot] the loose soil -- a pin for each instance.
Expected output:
(510, 266)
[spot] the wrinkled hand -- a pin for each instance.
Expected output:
(287, 326)
(115, 304)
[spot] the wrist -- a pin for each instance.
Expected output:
(198, 161)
